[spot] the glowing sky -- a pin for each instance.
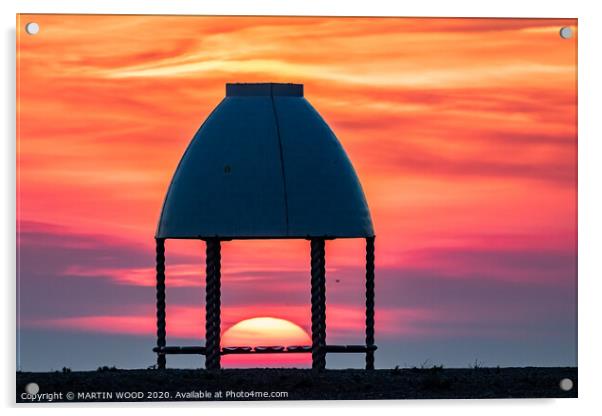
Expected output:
(463, 133)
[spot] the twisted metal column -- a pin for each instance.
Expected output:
(213, 305)
(370, 302)
(160, 268)
(318, 304)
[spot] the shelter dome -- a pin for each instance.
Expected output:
(264, 164)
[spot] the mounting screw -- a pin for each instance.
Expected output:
(566, 384)
(32, 28)
(566, 32)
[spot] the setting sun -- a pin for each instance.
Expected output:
(265, 331)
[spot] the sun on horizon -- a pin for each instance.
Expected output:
(265, 330)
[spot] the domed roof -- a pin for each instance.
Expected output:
(264, 165)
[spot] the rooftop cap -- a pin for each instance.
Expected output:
(264, 89)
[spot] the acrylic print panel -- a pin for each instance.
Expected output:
(285, 208)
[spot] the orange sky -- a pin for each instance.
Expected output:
(463, 133)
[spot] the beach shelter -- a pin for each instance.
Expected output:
(264, 165)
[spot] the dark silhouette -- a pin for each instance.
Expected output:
(265, 165)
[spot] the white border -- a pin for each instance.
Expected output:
(590, 174)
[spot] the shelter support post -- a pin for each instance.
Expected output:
(160, 268)
(370, 302)
(213, 305)
(318, 304)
